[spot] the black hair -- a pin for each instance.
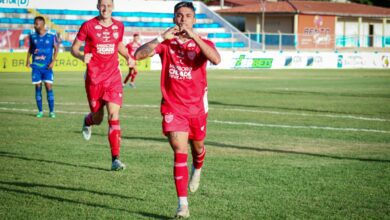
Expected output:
(99, 1)
(39, 18)
(184, 4)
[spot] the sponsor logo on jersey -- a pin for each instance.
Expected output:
(173, 42)
(99, 35)
(106, 36)
(47, 41)
(168, 118)
(180, 72)
(42, 57)
(114, 27)
(98, 27)
(105, 49)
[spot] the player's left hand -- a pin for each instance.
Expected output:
(131, 62)
(187, 31)
(51, 65)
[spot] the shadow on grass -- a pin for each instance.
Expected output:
(216, 144)
(32, 185)
(91, 204)
(6, 154)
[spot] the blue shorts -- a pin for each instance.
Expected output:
(42, 74)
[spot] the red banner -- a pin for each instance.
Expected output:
(9, 39)
(316, 31)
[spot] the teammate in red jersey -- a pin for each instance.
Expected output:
(103, 82)
(184, 56)
(132, 47)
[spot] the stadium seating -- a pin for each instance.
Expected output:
(150, 23)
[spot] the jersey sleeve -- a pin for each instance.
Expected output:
(55, 39)
(210, 43)
(122, 31)
(160, 48)
(31, 44)
(82, 34)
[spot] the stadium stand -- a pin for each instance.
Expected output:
(66, 23)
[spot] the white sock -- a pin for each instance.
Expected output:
(197, 171)
(183, 201)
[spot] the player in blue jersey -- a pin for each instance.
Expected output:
(44, 50)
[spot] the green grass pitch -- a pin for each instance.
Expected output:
(282, 144)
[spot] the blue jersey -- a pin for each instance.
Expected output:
(41, 48)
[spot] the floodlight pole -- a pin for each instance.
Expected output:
(263, 2)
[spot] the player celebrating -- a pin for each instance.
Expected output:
(103, 83)
(132, 47)
(44, 50)
(184, 57)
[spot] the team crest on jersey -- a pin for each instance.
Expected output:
(98, 27)
(99, 35)
(191, 55)
(116, 35)
(93, 103)
(168, 117)
(114, 27)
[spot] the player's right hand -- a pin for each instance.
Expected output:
(87, 57)
(170, 33)
(28, 63)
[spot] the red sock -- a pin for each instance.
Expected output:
(88, 120)
(197, 159)
(133, 75)
(114, 137)
(180, 173)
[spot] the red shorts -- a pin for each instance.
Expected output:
(99, 94)
(195, 126)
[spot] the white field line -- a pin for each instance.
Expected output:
(299, 126)
(232, 122)
(67, 112)
(306, 114)
(230, 109)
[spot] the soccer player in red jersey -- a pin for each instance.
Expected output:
(184, 105)
(132, 47)
(103, 81)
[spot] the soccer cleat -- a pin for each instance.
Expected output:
(39, 115)
(117, 165)
(194, 180)
(182, 211)
(86, 131)
(52, 115)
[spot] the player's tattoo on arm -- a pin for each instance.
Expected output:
(146, 50)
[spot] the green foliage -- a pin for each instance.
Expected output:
(282, 144)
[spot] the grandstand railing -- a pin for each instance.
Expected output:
(17, 39)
